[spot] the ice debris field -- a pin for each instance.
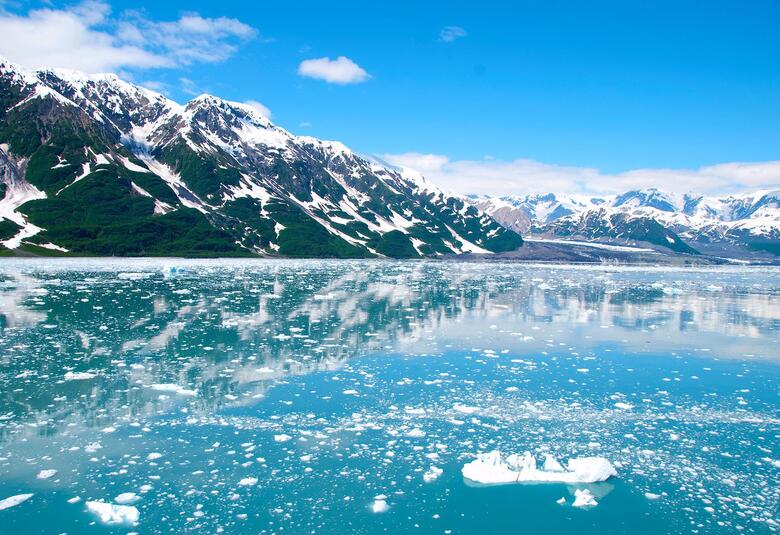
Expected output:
(401, 397)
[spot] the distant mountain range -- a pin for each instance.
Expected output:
(90, 164)
(743, 226)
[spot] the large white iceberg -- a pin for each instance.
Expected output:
(492, 468)
(111, 514)
(13, 501)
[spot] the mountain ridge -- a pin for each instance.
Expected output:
(743, 225)
(92, 164)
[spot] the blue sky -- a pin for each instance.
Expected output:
(607, 87)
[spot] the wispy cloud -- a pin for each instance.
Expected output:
(259, 108)
(188, 86)
(496, 177)
(86, 37)
(341, 70)
(450, 33)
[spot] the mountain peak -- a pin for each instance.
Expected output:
(241, 110)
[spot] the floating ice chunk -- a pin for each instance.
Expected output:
(170, 271)
(380, 504)
(111, 514)
(282, 438)
(416, 433)
(432, 474)
(79, 376)
(350, 392)
(46, 474)
(248, 482)
(133, 276)
(127, 498)
(154, 456)
(624, 406)
(491, 468)
(561, 500)
(584, 498)
(652, 496)
(92, 447)
(465, 409)
(170, 387)
(13, 501)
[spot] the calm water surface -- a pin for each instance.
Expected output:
(284, 396)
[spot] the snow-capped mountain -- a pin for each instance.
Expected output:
(93, 164)
(733, 225)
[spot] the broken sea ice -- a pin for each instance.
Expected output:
(492, 468)
(111, 514)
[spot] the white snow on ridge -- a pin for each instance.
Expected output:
(185, 196)
(18, 192)
(689, 215)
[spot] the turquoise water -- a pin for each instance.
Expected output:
(284, 396)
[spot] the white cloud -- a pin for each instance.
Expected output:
(341, 70)
(85, 37)
(495, 177)
(154, 85)
(189, 86)
(259, 108)
(450, 33)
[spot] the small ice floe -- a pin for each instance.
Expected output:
(174, 388)
(623, 406)
(111, 514)
(561, 500)
(46, 474)
(79, 376)
(172, 271)
(248, 482)
(464, 409)
(282, 438)
(432, 474)
(492, 468)
(13, 501)
(652, 496)
(127, 498)
(133, 275)
(154, 456)
(416, 433)
(584, 498)
(380, 504)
